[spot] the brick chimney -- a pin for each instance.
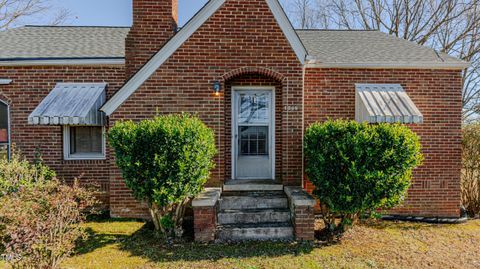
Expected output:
(154, 23)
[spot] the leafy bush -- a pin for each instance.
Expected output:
(358, 168)
(165, 162)
(42, 222)
(19, 172)
(471, 169)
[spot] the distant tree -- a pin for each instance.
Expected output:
(12, 12)
(450, 26)
(307, 14)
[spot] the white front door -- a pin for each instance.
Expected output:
(253, 144)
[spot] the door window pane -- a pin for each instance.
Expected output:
(253, 140)
(254, 108)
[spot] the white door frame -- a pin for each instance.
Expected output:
(234, 127)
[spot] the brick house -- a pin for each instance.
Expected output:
(256, 81)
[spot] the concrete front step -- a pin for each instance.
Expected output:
(253, 200)
(253, 216)
(257, 232)
(252, 185)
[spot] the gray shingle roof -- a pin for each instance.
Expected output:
(327, 47)
(33, 42)
(357, 48)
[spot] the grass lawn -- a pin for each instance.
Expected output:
(129, 244)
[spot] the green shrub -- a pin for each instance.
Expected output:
(471, 169)
(358, 168)
(164, 161)
(19, 173)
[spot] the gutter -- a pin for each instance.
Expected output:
(315, 63)
(62, 61)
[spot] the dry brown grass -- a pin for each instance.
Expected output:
(128, 244)
(416, 245)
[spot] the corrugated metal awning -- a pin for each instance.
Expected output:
(377, 103)
(71, 104)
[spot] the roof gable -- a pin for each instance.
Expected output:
(183, 35)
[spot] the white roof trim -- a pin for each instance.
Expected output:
(5, 81)
(192, 26)
(288, 30)
(50, 62)
(161, 56)
(396, 65)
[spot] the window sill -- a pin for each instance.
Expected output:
(85, 157)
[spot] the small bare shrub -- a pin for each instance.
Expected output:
(471, 169)
(41, 219)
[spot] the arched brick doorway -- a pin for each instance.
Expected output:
(259, 140)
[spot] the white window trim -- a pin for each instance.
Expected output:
(81, 156)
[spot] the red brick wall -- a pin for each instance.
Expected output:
(330, 93)
(154, 22)
(184, 83)
(30, 85)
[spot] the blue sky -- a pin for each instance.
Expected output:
(115, 12)
(106, 12)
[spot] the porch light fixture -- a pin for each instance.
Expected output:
(217, 87)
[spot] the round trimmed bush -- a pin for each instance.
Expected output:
(357, 168)
(165, 161)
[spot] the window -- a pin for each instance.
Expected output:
(4, 131)
(253, 140)
(84, 142)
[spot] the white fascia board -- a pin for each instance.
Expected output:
(396, 65)
(288, 30)
(61, 62)
(161, 56)
(5, 81)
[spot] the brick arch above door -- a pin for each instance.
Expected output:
(252, 71)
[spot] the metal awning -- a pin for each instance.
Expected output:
(5, 81)
(71, 104)
(377, 103)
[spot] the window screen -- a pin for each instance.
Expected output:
(86, 140)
